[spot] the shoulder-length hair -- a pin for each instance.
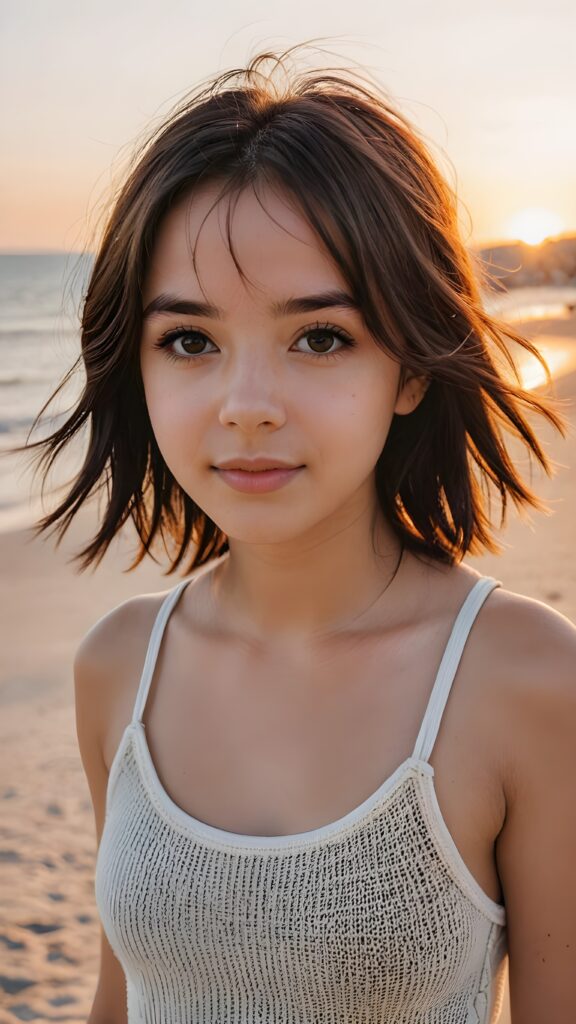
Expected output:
(364, 179)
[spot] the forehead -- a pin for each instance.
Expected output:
(276, 247)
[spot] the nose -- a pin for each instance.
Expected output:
(252, 397)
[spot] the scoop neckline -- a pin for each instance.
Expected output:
(224, 837)
(331, 833)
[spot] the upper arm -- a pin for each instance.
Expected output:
(93, 683)
(536, 850)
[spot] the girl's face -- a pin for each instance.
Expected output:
(305, 385)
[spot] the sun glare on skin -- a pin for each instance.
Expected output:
(533, 225)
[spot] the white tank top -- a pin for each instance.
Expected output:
(371, 919)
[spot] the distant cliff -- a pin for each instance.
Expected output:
(517, 265)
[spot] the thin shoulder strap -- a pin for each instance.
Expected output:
(449, 665)
(154, 646)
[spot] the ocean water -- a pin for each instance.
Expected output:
(40, 302)
(40, 297)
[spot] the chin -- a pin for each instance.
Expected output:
(257, 537)
(260, 529)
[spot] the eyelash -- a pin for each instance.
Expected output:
(174, 334)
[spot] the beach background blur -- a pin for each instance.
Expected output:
(505, 135)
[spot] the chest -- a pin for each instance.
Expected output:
(367, 927)
(267, 745)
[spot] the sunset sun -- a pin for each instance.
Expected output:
(534, 224)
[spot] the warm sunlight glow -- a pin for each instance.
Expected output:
(532, 372)
(559, 355)
(534, 224)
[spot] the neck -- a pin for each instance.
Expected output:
(278, 595)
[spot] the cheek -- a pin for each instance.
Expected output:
(352, 426)
(165, 389)
(176, 421)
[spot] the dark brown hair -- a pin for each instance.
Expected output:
(366, 183)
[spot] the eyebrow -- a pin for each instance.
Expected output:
(166, 303)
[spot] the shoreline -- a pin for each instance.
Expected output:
(554, 336)
(39, 576)
(42, 584)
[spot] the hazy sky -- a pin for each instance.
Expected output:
(492, 85)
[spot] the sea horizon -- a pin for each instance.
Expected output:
(40, 299)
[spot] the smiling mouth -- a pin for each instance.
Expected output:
(269, 469)
(261, 469)
(259, 481)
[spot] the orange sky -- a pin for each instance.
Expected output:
(492, 88)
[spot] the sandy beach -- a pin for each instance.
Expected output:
(49, 931)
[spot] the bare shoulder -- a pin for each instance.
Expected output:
(109, 642)
(536, 643)
(521, 652)
(531, 686)
(108, 662)
(104, 642)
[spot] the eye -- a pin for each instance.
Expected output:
(191, 342)
(189, 338)
(323, 334)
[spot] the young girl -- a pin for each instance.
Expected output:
(333, 768)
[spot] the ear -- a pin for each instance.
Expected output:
(411, 394)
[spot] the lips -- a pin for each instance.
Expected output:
(257, 465)
(268, 469)
(259, 481)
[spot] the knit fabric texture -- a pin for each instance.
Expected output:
(371, 918)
